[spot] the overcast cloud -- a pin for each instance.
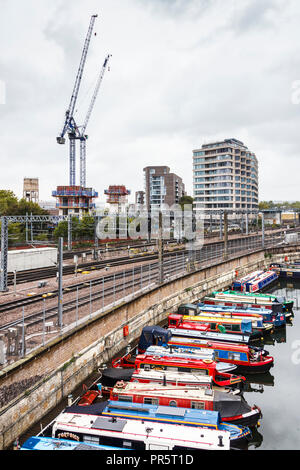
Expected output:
(182, 73)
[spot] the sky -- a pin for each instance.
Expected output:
(182, 73)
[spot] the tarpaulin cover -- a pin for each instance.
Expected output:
(153, 335)
(230, 405)
(112, 375)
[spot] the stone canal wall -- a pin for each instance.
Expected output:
(30, 388)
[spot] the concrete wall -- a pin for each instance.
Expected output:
(51, 373)
(21, 260)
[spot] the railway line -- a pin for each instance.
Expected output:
(50, 272)
(52, 312)
(121, 280)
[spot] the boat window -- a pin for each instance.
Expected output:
(151, 401)
(183, 369)
(213, 326)
(235, 327)
(91, 439)
(199, 371)
(126, 398)
(119, 442)
(198, 405)
(234, 356)
(172, 369)
(173, 403)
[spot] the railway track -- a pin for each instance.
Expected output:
(50, 272)
(51, 312)
(19, 303)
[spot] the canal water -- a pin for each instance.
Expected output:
(276, 393)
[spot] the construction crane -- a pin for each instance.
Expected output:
(70, 126)
(83, 137)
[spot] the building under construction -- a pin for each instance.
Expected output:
(75, 200)
(117, 197)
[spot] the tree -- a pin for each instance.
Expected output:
(186, 200)
(8, 203)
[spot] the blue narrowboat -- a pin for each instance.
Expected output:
(260, 282)
(287, 271)
(239, 284)
(180, 416)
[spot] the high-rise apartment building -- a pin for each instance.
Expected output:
(225, 177)
(162, 187)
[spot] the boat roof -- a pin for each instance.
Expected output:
(233, 308)
(205, 417)
(243, 315)
(138, 429)
(209, 337)
(207, 343)
(247, 294)
(50, 443)
(144, 358)
(171, 391)
(171, 376)
(215, 318)
(248, 277)
(179, 352)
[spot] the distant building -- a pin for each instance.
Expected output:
(140, 198)
(117, 197)
(75, 200)
(50, 207)
(31, 190)
(162, 187)
(225, 177)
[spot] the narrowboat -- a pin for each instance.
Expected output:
(276, 319)
(181, 364)
(49, 443)
(137, 434)
(219, 322)
(203, 419)
(260, 282)
(248, 359)
(239, 284)
(232, 408)
(287, 271)
(111, 376)
(159, 336)
(268, 301)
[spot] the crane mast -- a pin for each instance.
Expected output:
(70, 126)
(83, 137)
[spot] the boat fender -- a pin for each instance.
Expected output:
(207, 361)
